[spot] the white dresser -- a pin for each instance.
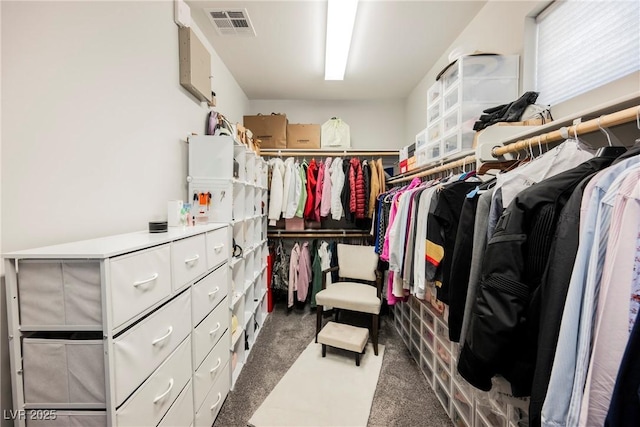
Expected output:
(127, 330)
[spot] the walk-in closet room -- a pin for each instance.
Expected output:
(321, 213)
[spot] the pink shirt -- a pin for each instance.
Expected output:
(318, 199)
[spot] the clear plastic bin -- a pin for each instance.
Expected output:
(451, 121)
(458, 419)
(451, 101)
(433, 112)
(428, 338)
(443, 375)
(434, 150)
(443, 396)
(495, 90)
(433, 93)
(421, 139)
(426, 369)
(427, 317)
(486, 66)
(444, 355)
(434, 132)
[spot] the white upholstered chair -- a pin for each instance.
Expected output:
(358, 263)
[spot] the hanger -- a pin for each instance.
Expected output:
(609, 151)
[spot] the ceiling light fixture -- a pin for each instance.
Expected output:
(341, 16)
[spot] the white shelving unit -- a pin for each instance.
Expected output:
(426, 334)
(240, 200)
(456, 101)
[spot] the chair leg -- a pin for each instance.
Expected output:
(357, 359)
(324, 350)
(336, 311)
(319, 310)
(374, 333)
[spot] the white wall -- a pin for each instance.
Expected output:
(93, 123)
(373, 124)
(95, 118)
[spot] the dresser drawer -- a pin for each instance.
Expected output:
(181, 412)
(59, 293)
(207, 333)
(207, 413)
(153, 399)
(211, 370)
(141, 349)
(209, 292)
(138, 281)
(188, 260)
(217, 247)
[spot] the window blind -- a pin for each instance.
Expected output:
(584, 44)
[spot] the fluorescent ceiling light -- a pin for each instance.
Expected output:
(341, 15)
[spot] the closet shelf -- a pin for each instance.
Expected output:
(330, 153)
(236, 297)
(317, 233)
(235, 261)
(236, 373)
(236, 336)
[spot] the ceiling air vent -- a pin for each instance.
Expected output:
(231, 22)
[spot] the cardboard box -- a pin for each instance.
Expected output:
(306, 136)
(270, 129)
(411, 163)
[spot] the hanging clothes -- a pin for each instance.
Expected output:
(304, 272)
(583, 290)
(500, 344)
(276, 192)
(325, 204)
(280, 277)
(290, 190)
(374, 190)
(302, 181)
(315, 216)
(337, 184)
(321, 262)
(311, 178)
(442, 226)
(366, 175)
(349, 186)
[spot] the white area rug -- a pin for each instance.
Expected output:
(317, 391)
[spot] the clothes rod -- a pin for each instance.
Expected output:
(279, 235)
(322, 153)
(619, 117)
(468, 160)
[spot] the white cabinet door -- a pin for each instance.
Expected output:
(141, 349)
(181, 412)
(209, 292)
(138, 281)
(188, 260)
(217, 247)
(153, 399)
(213, 402)
(211, 369)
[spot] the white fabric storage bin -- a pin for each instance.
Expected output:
(59, 293)
(63, 371)
(67, 419)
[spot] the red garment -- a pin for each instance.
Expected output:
(312, 176)
(356, 181)
(318, 196)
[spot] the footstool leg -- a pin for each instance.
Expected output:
(324, 350)
(357, 359)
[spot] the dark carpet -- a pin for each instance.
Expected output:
(402, 398)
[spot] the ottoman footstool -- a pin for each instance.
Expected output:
(343, 336)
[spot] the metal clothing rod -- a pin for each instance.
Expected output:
(333, 153)
(468, 160)
(619, 117)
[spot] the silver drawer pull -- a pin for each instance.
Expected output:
(215, 291)
(190, 260)
(213, 331)
(142, 282)
(158, 398)
(217, 401)
(162, 338)
(218, 248)
(216, 367)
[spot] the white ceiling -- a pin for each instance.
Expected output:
(395, 43)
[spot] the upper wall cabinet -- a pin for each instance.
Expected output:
(195, 65)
